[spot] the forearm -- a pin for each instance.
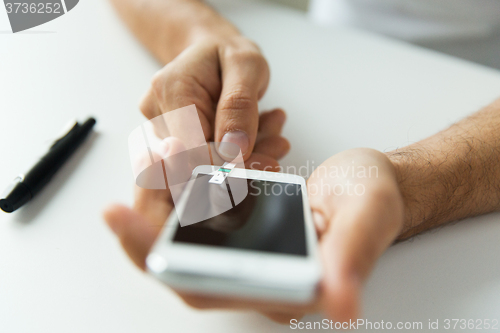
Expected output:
(452, 175)
(166, 27)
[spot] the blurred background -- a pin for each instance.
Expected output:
(467, 29)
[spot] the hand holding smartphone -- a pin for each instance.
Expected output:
(262, 246)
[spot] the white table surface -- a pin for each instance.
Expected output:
(61, 269)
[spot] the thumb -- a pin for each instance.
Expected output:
(245, 78)
(133, 230)
(357, 236)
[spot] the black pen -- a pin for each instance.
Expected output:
(25, 187)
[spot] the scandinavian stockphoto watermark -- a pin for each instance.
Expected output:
(331, 180)
(26, 14)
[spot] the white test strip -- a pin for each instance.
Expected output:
(220, 175)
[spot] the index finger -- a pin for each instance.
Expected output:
(245, 75)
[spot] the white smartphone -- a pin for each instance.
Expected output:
(262, 247)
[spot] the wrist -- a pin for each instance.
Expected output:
(215, 31)
(209, 25)
(436, 187)
(423, 193)
(194, 22)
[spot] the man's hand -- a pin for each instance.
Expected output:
(357, 218)
(224, 78)
(449, 176)
(358, 212)
(208, 63)
(138, 227)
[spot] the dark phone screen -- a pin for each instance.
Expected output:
(269, 219)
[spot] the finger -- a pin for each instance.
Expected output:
(273, 146)
(149, 105)
(262, 162)
(215, 302)
(137, 229)
(192, 78)
(245, 76)
(357, 236)
(271, 123)
(150, 109)
(154, 204)
(176, 165)
(134, 231)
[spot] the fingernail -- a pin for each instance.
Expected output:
(236, 137)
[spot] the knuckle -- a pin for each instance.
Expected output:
(164, 78)
(250, 57)
(172, 86)
(146, 108)
(183, 90)
(158, 83)
(246, 51)
(238, 100)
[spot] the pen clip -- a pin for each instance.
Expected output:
(67, 129)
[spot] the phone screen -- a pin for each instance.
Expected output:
(269, 219)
